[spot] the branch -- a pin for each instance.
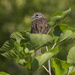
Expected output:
(49, 63)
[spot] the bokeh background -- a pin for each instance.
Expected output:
(15, 16)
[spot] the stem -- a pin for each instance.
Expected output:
(49, 60)
(49, 31)
(45, 68)
(49, 63)
(49, 67)
(53, 46)
(27, 71)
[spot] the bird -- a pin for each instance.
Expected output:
(39, 25)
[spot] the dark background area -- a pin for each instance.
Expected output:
(15, 16)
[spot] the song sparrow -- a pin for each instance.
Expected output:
(39, 25)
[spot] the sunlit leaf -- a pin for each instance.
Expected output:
(63, 32)
(17, 36)
(59, 16)
(71, 60)
(3, 73)
(71, 56)
(25, 34)
(10, 54)
(67, 35)
(8, 45)
(73, 73)
(60, 67)
(65, 27)
(71, 70)
(42, 58)
(38, 40)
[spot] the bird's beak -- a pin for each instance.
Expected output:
(32, 16)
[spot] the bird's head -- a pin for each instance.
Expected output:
(37, 15)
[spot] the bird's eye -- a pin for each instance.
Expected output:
(36, 14)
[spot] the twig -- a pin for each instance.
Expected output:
(49, 71)
(49, 31)
(49, 63)
(45, 68)
(53, 46)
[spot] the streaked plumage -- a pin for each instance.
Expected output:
(39, 25)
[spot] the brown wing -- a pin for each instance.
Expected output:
(40, 26)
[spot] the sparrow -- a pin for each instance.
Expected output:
(39, 25)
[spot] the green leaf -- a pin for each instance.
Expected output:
(25, 34)
(38, 40)
(3, 73)
(71, 56)
(67, 35)
(39, 60)
(60, 67)
(71, 70)
(8, 45)
(10, 54)
(22, 62)
(12, 49)
(59, 16)
(71, 60)
(57, 32)
(65, 30)
(65, 27)
(62, 28)
(17, 36)
(16, 51)
(73, 73)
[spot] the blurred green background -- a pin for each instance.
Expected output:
(15, 16)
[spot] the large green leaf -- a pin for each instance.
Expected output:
(63, 32)
(8, 45)
(60, 67)
(10, 54)
(3, 73)
(67, 35)
(61, 28)
(38, 40)
(57, 17)
(39, 60)
(13, 53)
(71, 59)
(26, 36)
(73, 73)
(71, 56)
(71, 70)
(17, 36)
(65, 27)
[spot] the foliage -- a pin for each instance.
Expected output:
(22, 46)
(3, 73)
